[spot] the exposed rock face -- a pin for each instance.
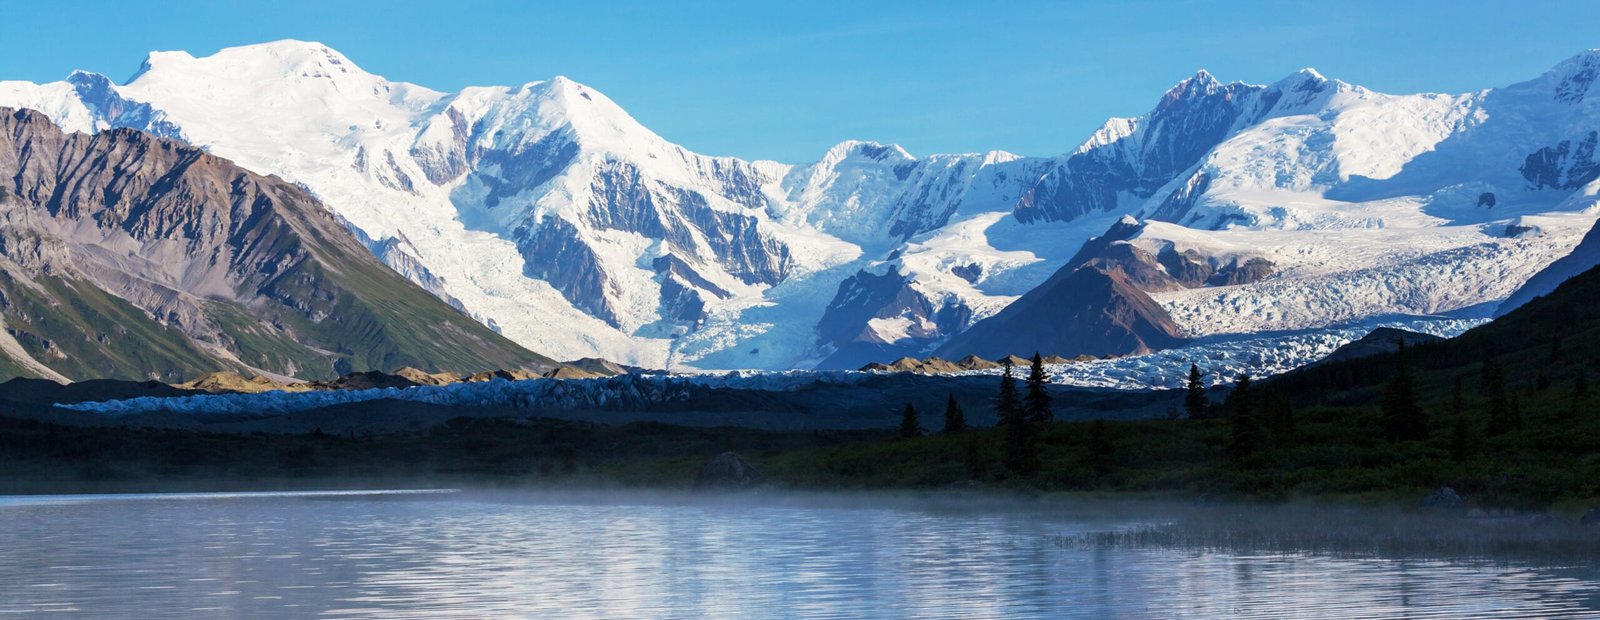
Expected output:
(556, 254)
(568, 372)
(602, 367)
(174, 262)
(930, 366)
(423, 377)
(1192, 118)
(97, 92)
(1087, 311)
(400, 256)
(1166, 269)
(226, 382)
(875, 317)
(1568, 165)
(500, 375)
(973, 362)
(726, 471)
(624, 199)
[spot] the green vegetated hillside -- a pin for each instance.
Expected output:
(124, 255)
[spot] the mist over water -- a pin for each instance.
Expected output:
(492, 554)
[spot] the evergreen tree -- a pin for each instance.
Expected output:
(1245, 440)
(910, 426)
(1007, 406)
(1037, 400)
(1194, 398)
(1101, 451)
(955, 420)
(1461, 439)
(1403, 418)
(1021, 449)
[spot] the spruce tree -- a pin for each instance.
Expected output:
(1021, 454)
(1101, 451)
(1245, 440)
(955, 420)
(1006, 406)
(1403, 418)
(1037, 400)
(910, 426)
(1194, 398)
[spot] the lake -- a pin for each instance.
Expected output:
(497, 555)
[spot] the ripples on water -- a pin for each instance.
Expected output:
(495, 556)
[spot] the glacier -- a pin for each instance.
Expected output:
(547, 212)
(1219, 359)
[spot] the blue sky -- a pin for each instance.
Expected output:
(785, 80)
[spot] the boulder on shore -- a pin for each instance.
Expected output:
(726, 471)
(1443, 498)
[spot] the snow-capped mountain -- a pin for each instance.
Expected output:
(550, 214)
(130, 256)
(1303, 204)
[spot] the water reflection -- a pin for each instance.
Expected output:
(476, 556)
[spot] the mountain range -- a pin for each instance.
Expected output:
(552, 217)
(127, 255)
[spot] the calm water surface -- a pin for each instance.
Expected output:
(495, 556)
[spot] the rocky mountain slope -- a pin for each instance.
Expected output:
(131, 256)
(555, 218)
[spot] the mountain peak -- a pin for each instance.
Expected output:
(157, 58)
(1306, 74)
(1202, 82)
(1573, 77)
(865, 149)
(1306, 80)
(282, 58)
